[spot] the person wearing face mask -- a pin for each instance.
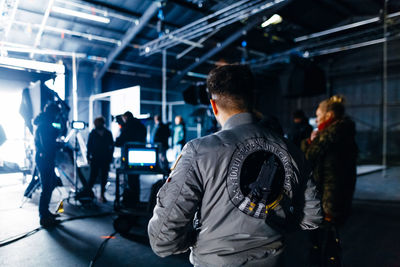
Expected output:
(332, 152)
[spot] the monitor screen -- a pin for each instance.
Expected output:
(142, 156)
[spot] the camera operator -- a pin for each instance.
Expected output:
(132, 131)
(46, 147)
(100, 149)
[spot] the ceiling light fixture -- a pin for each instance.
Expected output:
(79, 14)
(275, 19)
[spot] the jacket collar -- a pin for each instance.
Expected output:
(238, 119)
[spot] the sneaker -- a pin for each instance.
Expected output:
(48, 222)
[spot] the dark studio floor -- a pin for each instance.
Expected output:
(369, 238)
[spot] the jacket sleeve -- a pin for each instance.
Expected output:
(312, 213)
(171, 227)
(306, 200)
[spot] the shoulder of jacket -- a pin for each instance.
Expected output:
(206, 143)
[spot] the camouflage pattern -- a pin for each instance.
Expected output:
(333, 155)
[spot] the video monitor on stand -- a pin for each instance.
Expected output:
(140, 158)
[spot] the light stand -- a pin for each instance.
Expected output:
(77, 126)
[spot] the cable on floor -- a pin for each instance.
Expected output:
(15, 238)
(101, 249)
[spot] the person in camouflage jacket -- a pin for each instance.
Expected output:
(332, 151)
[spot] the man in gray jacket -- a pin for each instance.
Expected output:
(232, 194)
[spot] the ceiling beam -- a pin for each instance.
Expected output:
(130, 34)
(42, 25)
(125, 11)
(54, 16)
(219, 47)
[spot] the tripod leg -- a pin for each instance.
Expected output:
(33, 184)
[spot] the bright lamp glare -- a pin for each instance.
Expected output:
(275, 19)
(78, 14)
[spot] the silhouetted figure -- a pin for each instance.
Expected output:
(179, 137)
(46, 147)
(332, 151)
(300, 128)
(132, 131)
(160, 135)
(100, 149)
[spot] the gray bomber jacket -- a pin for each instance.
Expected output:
(198, 186)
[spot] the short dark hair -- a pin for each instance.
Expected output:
(99, 122)
(128, 115)
(233, 84)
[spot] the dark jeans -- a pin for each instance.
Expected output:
(96, 168)
(48, 180)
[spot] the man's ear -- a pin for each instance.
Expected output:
(214, 107)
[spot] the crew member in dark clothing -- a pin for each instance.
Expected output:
(300, 129)
(132, 131)
(46, 147)
(100, 149)
(160, 134)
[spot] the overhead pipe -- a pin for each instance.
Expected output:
(215, 50)
(73, 33)
(190, 48)
(105, 13)
(343, 28)
(42, 25)
(130, 34)
(238, 11)
(14, 11)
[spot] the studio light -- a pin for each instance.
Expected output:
(78, 14)
(275, 19)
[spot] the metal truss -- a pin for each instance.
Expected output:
(7, 14)
(239, 11)
(361, 38)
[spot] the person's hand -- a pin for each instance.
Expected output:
(313, 135)
(328, 218)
